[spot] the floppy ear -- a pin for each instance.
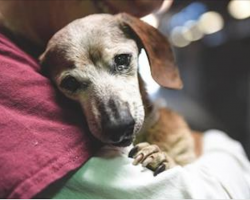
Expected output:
(161, 59)
(45, 63)
(51, 61)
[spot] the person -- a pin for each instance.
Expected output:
(44, 139)
(43, 136)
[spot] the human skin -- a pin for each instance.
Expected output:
(38, 20)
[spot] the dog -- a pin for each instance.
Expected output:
(94, 61)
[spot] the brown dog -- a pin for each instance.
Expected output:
(94, 60)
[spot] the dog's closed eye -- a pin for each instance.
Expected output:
(71, 84)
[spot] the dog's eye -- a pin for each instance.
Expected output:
(70, 83)
(122, 61)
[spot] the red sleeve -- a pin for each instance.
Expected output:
(42, 134)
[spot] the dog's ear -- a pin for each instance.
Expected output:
(44, 62)
(49, 60)
(162, 64)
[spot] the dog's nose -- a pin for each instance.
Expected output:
(120, 128)
(117, 122)
(120, 131)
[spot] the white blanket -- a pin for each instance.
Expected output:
(222, 172)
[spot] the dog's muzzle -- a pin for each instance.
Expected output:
(117, 124)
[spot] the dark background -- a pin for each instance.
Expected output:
(216, 74)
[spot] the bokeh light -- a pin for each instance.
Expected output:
(193, 32)
(177, 37)
(211, 22)
(239, 9)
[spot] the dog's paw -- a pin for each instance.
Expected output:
(152, 157)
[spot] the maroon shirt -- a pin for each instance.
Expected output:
(42, 133)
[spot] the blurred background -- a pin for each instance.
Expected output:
(211, 41)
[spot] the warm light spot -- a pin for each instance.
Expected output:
(177, 37)
(191, 31)
(239, 9)
(211, 22)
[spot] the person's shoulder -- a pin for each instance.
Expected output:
(12, 54)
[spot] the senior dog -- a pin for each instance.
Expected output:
(94, 61)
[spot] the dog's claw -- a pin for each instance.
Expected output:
(159, 169)
(133, 152)
(151, 157)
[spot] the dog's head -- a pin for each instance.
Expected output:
(94, 60)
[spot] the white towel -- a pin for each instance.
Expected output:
(222, 172)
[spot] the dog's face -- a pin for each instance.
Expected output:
(94, 61)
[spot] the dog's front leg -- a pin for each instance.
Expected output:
(172, 134)
(152, 157)
(169, 142)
